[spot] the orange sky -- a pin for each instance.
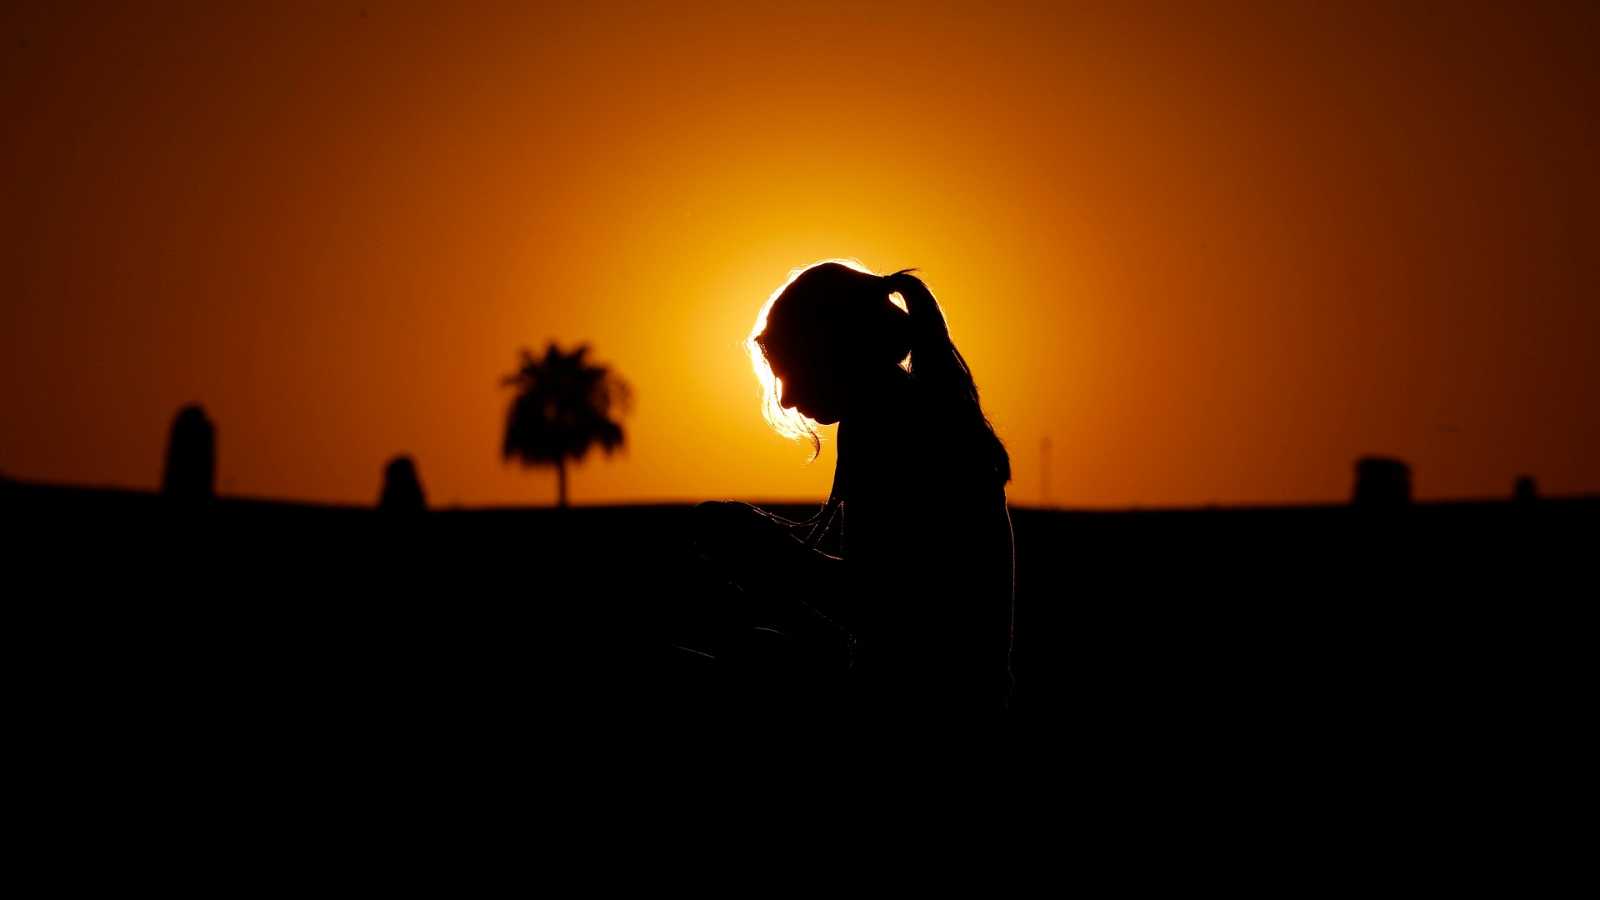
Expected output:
(1214, 257)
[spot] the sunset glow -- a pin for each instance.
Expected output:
(1210, 256)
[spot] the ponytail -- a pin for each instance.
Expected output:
(940, 368)
(934, 357)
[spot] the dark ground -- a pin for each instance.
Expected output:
(1314, 623)
(253, 691)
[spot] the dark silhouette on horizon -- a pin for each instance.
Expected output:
(563, 408)
(402, 489)
(913, 606)
(189, 476)
(1381, 483)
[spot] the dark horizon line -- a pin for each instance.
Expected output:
(1133, 508)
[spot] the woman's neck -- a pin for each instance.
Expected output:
(875, 409)
(876, 389)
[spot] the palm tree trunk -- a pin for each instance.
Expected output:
(561, 483)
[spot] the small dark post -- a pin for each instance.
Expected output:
(1044, 472)
(1526, 490)
(191, 471)
(1382, 483)
(402, 489)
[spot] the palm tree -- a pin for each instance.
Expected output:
(564, 407)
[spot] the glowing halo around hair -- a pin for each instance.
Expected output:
(790, 423)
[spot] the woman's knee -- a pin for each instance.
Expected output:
(720, 525)
(730, 517)
(716, 516)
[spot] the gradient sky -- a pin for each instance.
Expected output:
(1213, 256)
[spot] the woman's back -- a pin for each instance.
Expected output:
(928, 541)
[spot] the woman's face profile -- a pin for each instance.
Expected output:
(807, 391)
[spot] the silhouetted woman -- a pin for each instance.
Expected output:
(922, 581)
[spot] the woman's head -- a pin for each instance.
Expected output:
(828, 329)
(834, 330)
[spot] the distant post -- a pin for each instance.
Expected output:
(191, 467)
(1526, 490)
(402, 489)
(1044, 472)
(1381, 483)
